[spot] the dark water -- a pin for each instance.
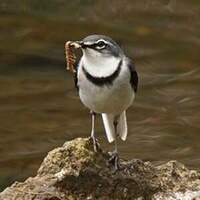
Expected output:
(39, 108)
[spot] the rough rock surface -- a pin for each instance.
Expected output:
(75, 172)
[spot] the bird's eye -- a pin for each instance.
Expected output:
(101, 45)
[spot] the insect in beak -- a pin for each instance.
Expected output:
(70, 55)
(75, 45)
(70, 46)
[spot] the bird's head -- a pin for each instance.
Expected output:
(100, 47)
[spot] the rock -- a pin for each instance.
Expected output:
(75, 172)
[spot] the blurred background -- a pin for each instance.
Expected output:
(39, 107)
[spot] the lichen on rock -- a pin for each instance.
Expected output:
(75, 172)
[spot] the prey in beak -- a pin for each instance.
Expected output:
(75, 44)
(70, 46)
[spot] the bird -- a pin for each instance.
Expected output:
(107, 82)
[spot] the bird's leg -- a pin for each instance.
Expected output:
(115, 156)
(95, 143)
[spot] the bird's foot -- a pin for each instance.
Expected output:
(114, 160)
(96, 145)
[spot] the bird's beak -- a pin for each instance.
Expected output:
(81, 44)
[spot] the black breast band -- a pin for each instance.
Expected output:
(101, 81)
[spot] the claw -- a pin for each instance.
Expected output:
(96, 145)
(114, 160)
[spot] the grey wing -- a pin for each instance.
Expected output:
(134, 75)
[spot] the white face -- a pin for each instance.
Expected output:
(97, 52)
(100, 57)
(88, 52)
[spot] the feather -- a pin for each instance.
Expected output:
(122, 129)
(134, 75)
(108, 121)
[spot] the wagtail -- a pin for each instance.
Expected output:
(107, 83)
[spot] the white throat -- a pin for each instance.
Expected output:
(100, 66)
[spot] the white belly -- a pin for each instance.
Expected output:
(113, 98)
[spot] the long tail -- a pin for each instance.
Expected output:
(108, 121)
